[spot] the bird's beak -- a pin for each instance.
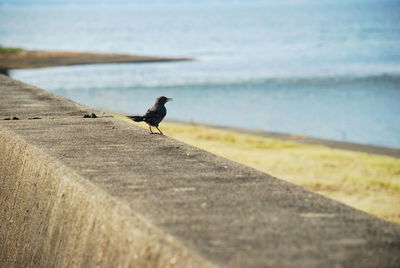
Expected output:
(169, 99)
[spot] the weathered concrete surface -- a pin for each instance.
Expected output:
(98, 192)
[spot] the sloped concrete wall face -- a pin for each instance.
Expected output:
(50, 217)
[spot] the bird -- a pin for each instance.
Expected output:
(154, 114)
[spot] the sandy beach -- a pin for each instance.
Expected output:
(40, 59)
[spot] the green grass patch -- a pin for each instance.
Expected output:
(10, 49)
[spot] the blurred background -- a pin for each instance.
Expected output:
(328, 69)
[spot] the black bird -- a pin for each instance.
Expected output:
(154, 115)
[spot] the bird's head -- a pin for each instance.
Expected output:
(163, 100)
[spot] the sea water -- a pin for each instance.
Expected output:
(328, 69)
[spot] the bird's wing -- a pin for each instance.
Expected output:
(150, 114)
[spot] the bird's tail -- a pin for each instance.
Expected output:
(136, 118)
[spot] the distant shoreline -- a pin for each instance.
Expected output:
(41, 59)
(366, 148)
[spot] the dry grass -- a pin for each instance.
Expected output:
(365, 181)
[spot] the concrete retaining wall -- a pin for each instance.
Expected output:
(52, 217)
(81, 192)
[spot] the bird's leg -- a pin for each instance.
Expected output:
(160, 131)
(151, 132)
